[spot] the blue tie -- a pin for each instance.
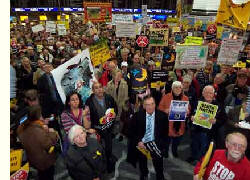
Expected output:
(149, 130)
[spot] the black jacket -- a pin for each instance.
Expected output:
(138, 128)
(86, 163)
(109, 102)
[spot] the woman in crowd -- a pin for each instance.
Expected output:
(176, 128)
(74, 113)
(85, 158)
(118, 89)
(40, 147)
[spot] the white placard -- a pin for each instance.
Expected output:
(37, 28)
(189, 56)
(74, 75)
(229, 51)
(61, 29)
(51, 26)
(126, 30)
(122, 18)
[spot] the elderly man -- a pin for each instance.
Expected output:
(98, 104)
(149, 130)
(202, 136)
(230, 163)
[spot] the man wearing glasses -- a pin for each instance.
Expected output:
(230, 163)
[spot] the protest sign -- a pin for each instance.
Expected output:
(126, 30)
(75, 74)
(97, 12)
(21, 174)
(61, 30)
(15, 159)
(234, 15)
(66, 23)
(145, 152)
(191, 40)
(99, 53)
(158, 37)
(144, 10)
(176, 29)
(229, 51)
(37, 28)
(159, 78)
(107, 120)
(193, 57)
(122, 18)
(178, 110)
(138, 76)
(51, 26)
(204, 112)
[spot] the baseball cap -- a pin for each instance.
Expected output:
(124, 63)
(242, 72)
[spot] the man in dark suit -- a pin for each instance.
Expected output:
(148, 131)
(50, 99)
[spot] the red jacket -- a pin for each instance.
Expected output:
(220, 168)
(165, 104)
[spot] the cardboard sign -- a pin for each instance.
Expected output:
(126, 30)
(16, 159)
(178, 110)
(158, 37)
(229, 51)
(204, 112)
(159, 78)
(97, 12)
(37, 28)
(21, 174)
(191, 40)
(193, 57)
(234, 15)
(99, 53)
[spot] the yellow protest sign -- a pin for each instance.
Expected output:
(219, 32)
(99, 53)
(176, 29)
(21, 174)
(172, 20)
(234, 15)
(239, 64)
(66, 23)
(15, 159)
(144, 152)
(191, 40)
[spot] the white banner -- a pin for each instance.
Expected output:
(37, 28)
(188, 56)
(229, 51)
(75, 74)
(126, 30)
(122, 18)
(61, 29)
(51, 26)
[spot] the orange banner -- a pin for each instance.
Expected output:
(97, 12)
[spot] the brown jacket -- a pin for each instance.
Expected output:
(165, 104)
(37, 142)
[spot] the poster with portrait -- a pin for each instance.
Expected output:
(178, 110)
(75, 75)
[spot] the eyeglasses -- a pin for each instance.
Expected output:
(236, 145)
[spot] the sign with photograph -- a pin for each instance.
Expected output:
(178, 110)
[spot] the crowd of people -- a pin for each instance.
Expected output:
(39, 118)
